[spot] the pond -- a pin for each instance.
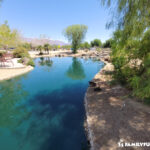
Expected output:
(44, 109)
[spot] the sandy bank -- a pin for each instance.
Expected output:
(6, 74)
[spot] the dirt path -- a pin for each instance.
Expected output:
(112, 116)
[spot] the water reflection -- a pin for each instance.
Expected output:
(57, 114)
(11, 95)
(12, 113)
(41, 122)
(76, 70)
(46, 62)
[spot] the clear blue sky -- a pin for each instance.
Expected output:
(35, 17)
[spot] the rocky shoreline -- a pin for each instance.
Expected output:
(88, 121)
(103, 54)
(112, 115)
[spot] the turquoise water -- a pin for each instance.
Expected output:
(44, 109)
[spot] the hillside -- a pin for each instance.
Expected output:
(42, 41)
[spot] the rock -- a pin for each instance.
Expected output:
(92, 83)
(97, 89)
(107, 59)
(83, 54)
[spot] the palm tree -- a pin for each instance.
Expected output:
(50, 47)
(39, 48)
(46, 48)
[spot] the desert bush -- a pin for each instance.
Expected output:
(31, 62)
(20, 52)
(26, 61)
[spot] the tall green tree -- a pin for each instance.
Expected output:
(75, 35)
(96, 43)
(46, 48)
(40, 48)
(85, 45)
(131, 48)
(108, 43)
(8, 37)
(54, 47)
(27, 46)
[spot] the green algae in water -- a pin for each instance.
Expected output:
(44, 109)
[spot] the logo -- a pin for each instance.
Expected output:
(122, 143)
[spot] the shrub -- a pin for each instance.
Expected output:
(28, 46)
(96, 43)
(1, 53)
(26, 61)
(107, 44)
(20, 52)
(20, 61)
(98, 49)
(131, 59)
(31, 62)
(85, 45)
(131, 44)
